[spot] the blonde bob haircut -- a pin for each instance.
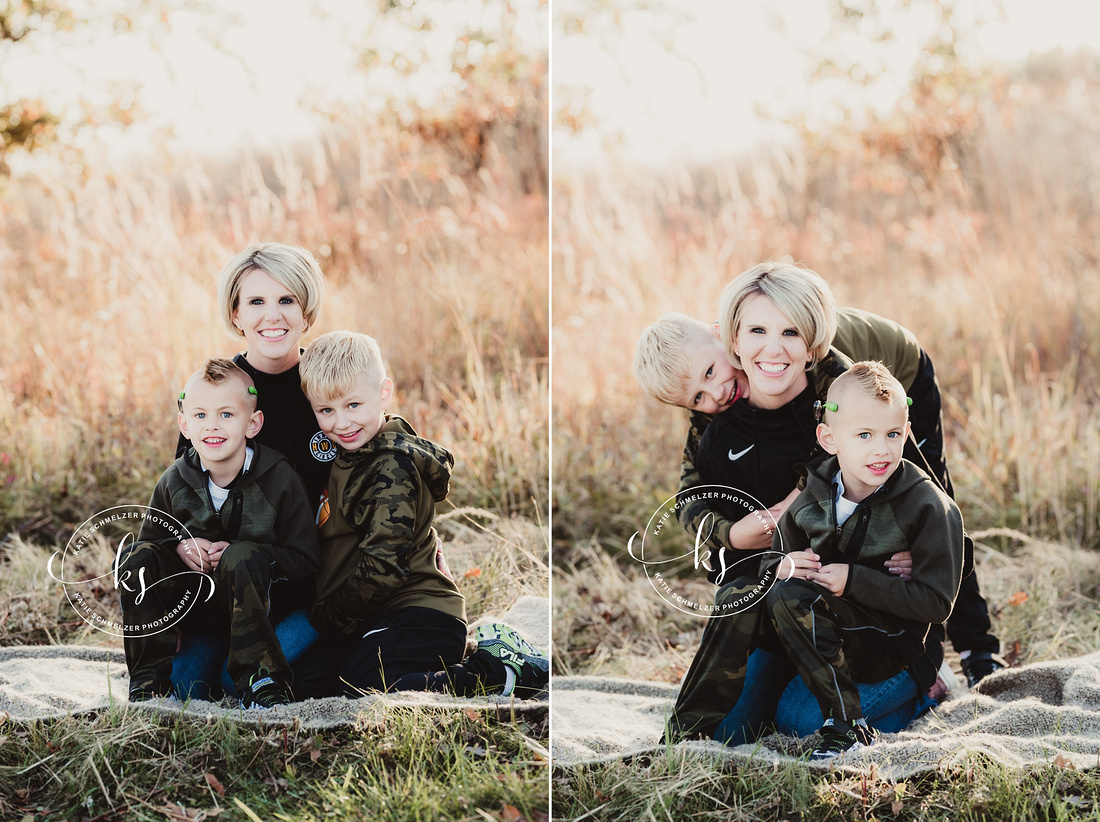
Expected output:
(799, 293)
(662, 355)
(334, 362)
(291, 266)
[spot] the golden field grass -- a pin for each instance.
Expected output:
(969, 216)
(108, 294)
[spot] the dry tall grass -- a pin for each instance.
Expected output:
(107, 289)
(969, 215)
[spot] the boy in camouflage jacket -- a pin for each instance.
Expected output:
(386, 603)
(248, 520)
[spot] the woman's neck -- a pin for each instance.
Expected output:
(268, 366)
(758, 399)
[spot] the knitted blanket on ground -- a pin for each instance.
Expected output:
(40, 682)
(1043, 713)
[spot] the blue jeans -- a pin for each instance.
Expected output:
(200, 668)
(774, 695)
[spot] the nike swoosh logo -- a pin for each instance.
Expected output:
(922, 442)
(733, 457)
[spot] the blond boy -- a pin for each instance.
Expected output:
(832, 609)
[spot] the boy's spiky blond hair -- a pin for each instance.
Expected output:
(873, 379)
(217, 370)
(335, 361)
(661, 360)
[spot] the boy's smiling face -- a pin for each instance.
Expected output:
(354, 419)
(867, 436)
(712, 383)
(218, 419)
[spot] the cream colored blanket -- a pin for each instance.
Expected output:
(1043, 713)
(40, 682)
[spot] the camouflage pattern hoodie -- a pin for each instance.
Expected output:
(267, 505)
(379, 549)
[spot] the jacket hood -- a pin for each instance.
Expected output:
(263, 460)
(434, 462)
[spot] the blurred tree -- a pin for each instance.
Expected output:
(469, 78)
(27, 120)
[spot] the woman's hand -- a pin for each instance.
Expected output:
(901, 564)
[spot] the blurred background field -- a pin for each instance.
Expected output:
(406, 146)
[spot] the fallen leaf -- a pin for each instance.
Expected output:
(473, 573)
(213, 782)
(1018, 598)
(511, 814)
(1064, 762)
(896, 806)
(314, 755)
(1012, 655)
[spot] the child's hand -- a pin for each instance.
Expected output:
(799, 565)
(832, 577)
(195, 553)
(901, 564)
(754, 532)
(215, 551)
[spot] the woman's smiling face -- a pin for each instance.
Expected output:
(773, 353)
(272, 321)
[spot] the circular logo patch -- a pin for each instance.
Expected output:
(322, 448)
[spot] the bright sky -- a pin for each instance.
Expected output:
(258, 76)
(697, 94)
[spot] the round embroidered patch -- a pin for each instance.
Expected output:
(322, 448)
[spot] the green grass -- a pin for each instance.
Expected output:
(676, 785)
(413, 765)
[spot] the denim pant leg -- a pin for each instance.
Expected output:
(888, 706)
(195, 667)
(765, 677)
(295, 633)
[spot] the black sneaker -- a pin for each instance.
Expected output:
(527, 666)
(144, 691)
(981, 664)
(265, 691)
(837, 737)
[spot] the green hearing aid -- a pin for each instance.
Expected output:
(821, 407)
